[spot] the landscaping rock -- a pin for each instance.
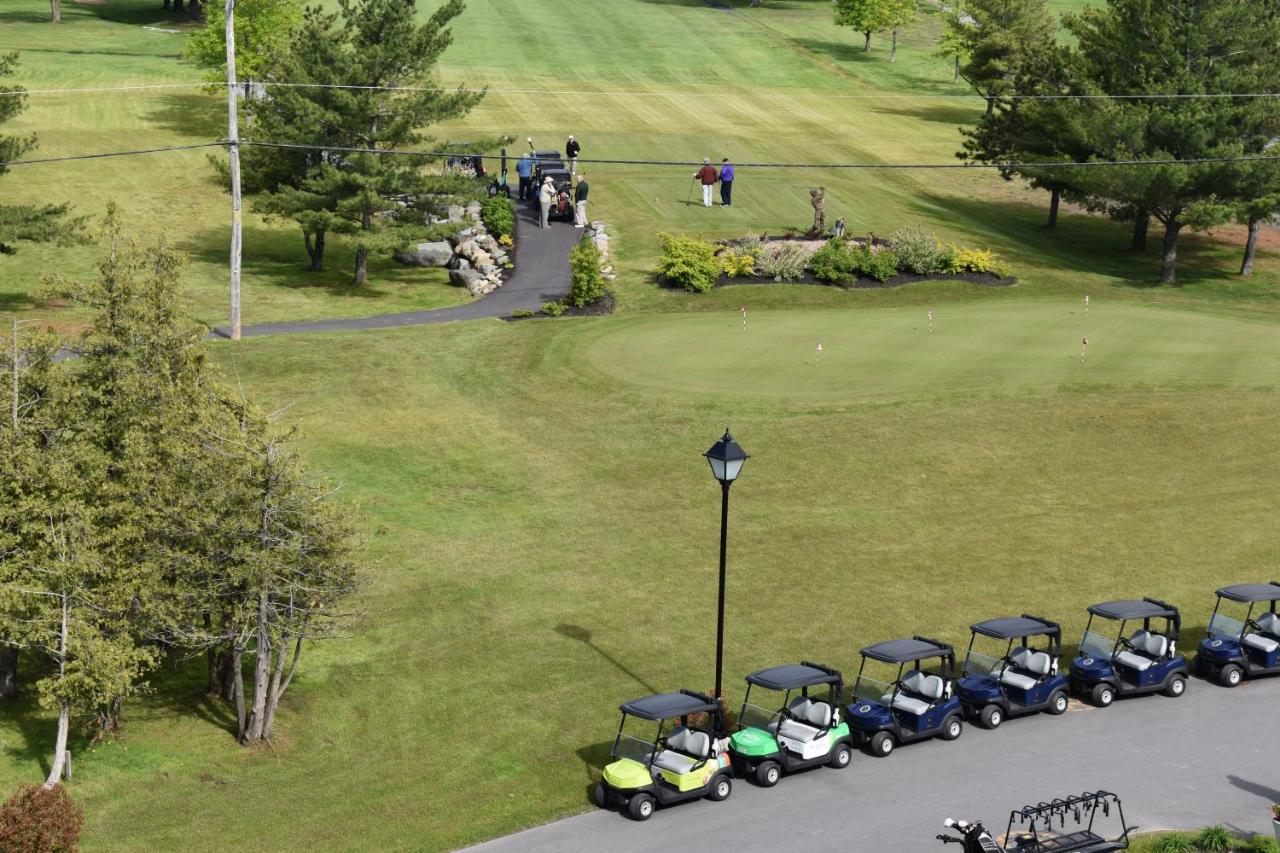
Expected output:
(473, 209)
(455, 212)
(486, 269)
(480, 258)
(467, 248)
(464, 277)
(427, 255)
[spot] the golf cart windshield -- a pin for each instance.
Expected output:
(637, 749)
(1096, 645)
(1223, 627)
(976, 663)
(754, 716)
(869, 690)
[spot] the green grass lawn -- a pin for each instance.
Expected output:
(534, 490)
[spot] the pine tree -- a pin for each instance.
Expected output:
(992, 36)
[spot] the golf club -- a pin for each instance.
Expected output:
(689, 198)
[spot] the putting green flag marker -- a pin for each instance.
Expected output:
(931, 321)
(1084, 348)
(744, 318)
(817, 355)
(1086, 306)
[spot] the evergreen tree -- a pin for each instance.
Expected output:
(31, 223)
(992, 36)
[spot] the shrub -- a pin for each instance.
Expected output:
(1215, 839)
(949, 259)
(879, 264)
(836, 262)
(917, 251)
(977, 260)
(499, 215)
(552, 309)
(588, 280)
(1176, 842)
(784, 262)
(688, 262)
(39, 820)
(1262, 844)
(523, 313)
(505, 241)
(738, 263)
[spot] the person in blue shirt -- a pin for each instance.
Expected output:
(726, 183)
(524, 168)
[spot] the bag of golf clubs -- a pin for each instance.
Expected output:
(973, 836)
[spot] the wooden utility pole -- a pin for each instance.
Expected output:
(233, 145)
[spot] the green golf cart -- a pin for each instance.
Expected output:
(684, 762)
(801, 730)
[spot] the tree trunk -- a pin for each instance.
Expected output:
(177, 5)
(56, 7)
(195, 10)
(60, 746)
(991, 104)
(261, 673)
(955, 77)
(8, 672)
(1246, 269)
(362, 266)
(867, 44)
(168, 4)
(237, 690)
(1169, 265)
(893, 51)
(1055, 196)
(1140, 226)
(315, 250)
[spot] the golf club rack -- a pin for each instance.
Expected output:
(1032, 828)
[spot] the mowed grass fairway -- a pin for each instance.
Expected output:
(534, 492)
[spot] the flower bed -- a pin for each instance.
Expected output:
(906, 256)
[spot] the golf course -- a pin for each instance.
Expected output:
(540, 528)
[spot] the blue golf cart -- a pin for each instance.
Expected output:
(1145, 661)
(1233, 648)
(916, 705)
(1023, 680)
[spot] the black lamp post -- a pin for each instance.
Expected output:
(726, 457)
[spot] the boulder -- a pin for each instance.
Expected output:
(481, 287)
(480, 258)
(597, 225)
(486, 269)
(464, 278)
(602, 244)
(427, 255)
(455, 212)
(473, 209)
(459, 263)
(467, 248)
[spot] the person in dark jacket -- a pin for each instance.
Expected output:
(707, 175)
(726, 182)
(580, 203)
(571, 149)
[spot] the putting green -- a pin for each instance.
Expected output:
(890, 354)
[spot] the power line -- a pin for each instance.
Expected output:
(100, 156)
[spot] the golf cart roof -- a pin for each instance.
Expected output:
(905, 651)
(1133, 609)
(557, 173)
(664, 706)
(1010, 627)
(790, 676)
(1248, 593)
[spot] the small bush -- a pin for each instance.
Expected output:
(588, 280)
(1262, 844)
(39, 820)
(738, 263)
(784, 262)
(505, 241)
(523, 313)
(917, 251)
(949, 259)
(499, 215)
(688, 262)
(1216, 839)
(1176, 842)
(836, 262)
(553, 309)
(879, 264)
(977, 260)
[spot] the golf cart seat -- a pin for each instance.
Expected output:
(1026, 668)
(1269, 624)
(685, 750)
(1147, 649)
(918, 692)
(806, 719)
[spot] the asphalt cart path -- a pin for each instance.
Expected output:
(1206, 758)
(541, 275)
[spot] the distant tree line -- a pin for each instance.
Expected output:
(148, 510)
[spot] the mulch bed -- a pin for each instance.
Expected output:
(984, 278)
(601, 307)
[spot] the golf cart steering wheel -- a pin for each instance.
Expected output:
(1126, 642)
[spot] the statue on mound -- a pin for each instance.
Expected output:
(818, 198)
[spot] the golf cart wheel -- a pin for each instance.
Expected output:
(768, 774)
(881, 744)
(991, 717)
(951, 727)
(1103, 695)
(598, 796)
(1231, 675)
(841, 757)
(1058, 703)
(721, 788)
(640, 807)
(1175, 686)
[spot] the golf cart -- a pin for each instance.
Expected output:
(684, 762)
(1233, 649)
(1022, 681)
(802, 732)
(915, 706)
(1144, 662)
(546, 161)
(1035, 832)
(562, 204)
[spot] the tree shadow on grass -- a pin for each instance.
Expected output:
(958, 114)
(177, 689)
(583, 635)
(37, 730)
(13, 302)
(594, 759)
(197, 115)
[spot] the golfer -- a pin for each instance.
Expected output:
(580, 203)
(726, 182)
(707, 174)
(546, 195)
(524, 168)
(571, 149)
